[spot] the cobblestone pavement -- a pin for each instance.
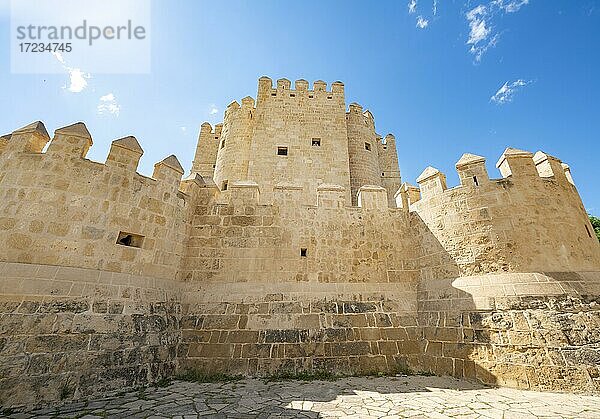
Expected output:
(364, 397)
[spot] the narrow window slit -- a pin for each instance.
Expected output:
(130, 239)
(282, 151)
(303, 252)
(475, 181)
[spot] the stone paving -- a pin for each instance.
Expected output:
(364, 397)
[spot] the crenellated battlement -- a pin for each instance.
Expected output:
(531, 218)
(95, 215)
(283, 90)
(515, 166)
(74, 141)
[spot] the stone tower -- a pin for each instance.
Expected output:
(300, 137)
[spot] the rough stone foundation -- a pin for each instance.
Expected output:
(85, 332)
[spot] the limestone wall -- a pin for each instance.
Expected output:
(521, 223)
(71, 332)
(58, 208)
(531, 331)
(243, 240)
(494, 280)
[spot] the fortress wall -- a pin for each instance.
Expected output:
(73, 332)
(364, 163)
(522, 330)
(294, 118)
(254, 305)
(246, 241)
(521, 223)
(57, 208)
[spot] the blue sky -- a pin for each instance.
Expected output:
(446, 77)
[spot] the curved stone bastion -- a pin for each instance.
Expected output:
(110, 279)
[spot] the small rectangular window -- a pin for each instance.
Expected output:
(475, 181)
(282, 151)
(368, 146)
(316, 142)
(224, 188)
(216, 138)
(222, 143)
(329, 97)
(292, 94)
(303, 252)
(273, 94)
(130, 239)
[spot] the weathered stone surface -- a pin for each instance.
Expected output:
(110, 279)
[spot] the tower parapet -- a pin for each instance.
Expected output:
(531, 219)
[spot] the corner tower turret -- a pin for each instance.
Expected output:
(362, 149)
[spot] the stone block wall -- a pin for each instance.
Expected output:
(71, 332)
(58, 208)
(530, 331)
(253, 329)
(494, 280)
(242, 240)
(521, 223)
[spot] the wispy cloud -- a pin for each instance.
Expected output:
(422, 23)
(77, 78)
(108, 105)
(479, 31)
(434, 8)
(213, 110)
(510, 6)
(508, 90)
(412, 6)
(482, 34)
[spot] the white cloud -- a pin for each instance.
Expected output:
(412, 6)
(506, 93)
(434, 7)
(479, 31)
(479, 28)
(109, 105)
(482, 35)
(510, 6)
(422, 23)
(77, 78)
(213, 110)
(183, 130)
